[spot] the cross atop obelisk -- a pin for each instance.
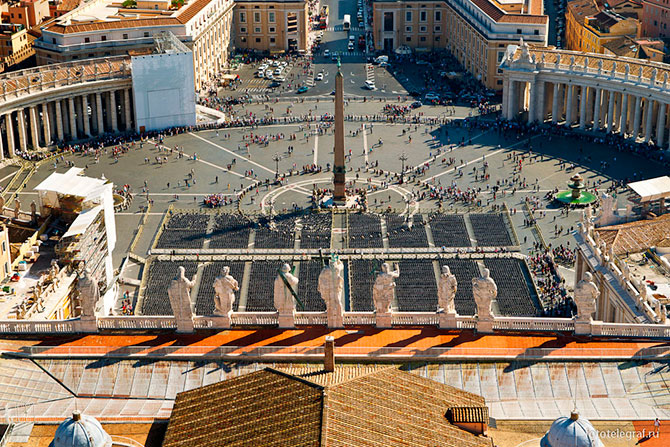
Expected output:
(339, 169)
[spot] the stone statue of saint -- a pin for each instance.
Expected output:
(331, 288)
(586, 294)
(89, 293)
(17, 208)
(33, 211)
(384, 288)
(484, 290)
(179, 294)
(446, 291)
(283, 298)
(225, 287)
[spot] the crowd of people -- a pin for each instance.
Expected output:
(550, 285)
(218, 200)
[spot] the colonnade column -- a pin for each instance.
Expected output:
(46, 125)
(2, 150)
(636, 116)
(59, 121)
(84, 111)
(554, 105)
(649, 114)
(582, 108)
(512, 99)
(568, 109)
(10, 134)
(532, 98)
(660, 124)
(539, 98)
(34, 132)
(73, 121)
(98, 112)
(22, 130)
(596, 111)
(505, 99)
(126, 107)
(112, 105)
(623, 127)
(610, 111)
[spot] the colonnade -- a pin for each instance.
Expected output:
(586, 94)
(38, 126)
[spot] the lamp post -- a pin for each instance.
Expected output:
(402, 158)
(276, 157)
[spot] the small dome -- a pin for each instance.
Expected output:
(81, 431)
(571, 432)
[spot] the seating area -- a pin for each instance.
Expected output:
(362, 280)
(230, 231)
(204, 302)
(316, 230)
(491, 230)
(160, 274)
(308, 286)
(399, 235)
(260, 297)
(464, 270)
(365, 231)
(514, 294)
(187, 221)
(416, 289)
(276, 233)
(449, 230)
(181, 238)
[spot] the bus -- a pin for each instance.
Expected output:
(323, 17)
(346, 24)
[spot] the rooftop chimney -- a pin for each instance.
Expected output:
(329, 354)
(76, 415)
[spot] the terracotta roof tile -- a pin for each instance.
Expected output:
(112, 24)
(634, 237)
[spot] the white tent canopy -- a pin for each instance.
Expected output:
(71, 183)
(83, 221)
(652, 189)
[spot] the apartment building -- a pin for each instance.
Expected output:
(28, 12)
(101, 28)
(589, 26)
(475, 31)
(272, 25)
(655, 18)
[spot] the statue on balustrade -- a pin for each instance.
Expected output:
(225, 287)
(384, 288)
(586, 294)
(331, 288)
(179, 294)
(446, 291)
(484, 290)
(285, 287)
(89, 293)
(17, 208)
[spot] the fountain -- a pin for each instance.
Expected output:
(577, 195)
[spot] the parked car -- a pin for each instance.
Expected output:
(370, 85)
(303, 89)
(326, 52)
(416, 104)
(432, 97)
(319, 77)
(334, 56)
(350, 47)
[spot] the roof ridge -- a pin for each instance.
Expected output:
(365, 374)
(293, 377)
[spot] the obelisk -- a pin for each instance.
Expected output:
(339, 169)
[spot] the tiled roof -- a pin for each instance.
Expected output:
(469, 414)
(112, 24)
(634, 237)
(369, 406)
(265, 408)
(498, 15)
(581, 9)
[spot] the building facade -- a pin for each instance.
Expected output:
(272, 26)
(655, 18)
(101, 28)
(589, 27)
(475, 32)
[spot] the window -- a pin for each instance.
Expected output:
(243, 39)
(103, 38)
(272, 40)
(388, 21)
(408, 39)
(53, 40)
(438, 16)
(422, 29)
(408, 16)
(437, 38)
(258, 40)
(125, 36)
(257, 30)
(146, 34)
(438, 28)
(271, 17)
(257, 17)
(272, 29)
(243, 30)
(87, 39)
(423, 16)
(408, 29)
(500, 56)
(499, 82)
(91, 55)
(422, 38)
(243, 17)
(518, 30)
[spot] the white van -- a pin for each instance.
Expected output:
(381, 59)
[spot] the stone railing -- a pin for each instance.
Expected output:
(24, 82)
(533, 324)
(630, 330)
(137, 322)
(415, 318)
(39, 326)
